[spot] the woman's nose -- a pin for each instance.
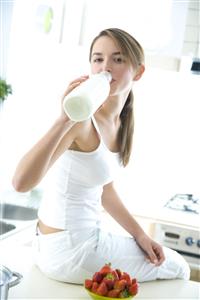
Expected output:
(107, 66)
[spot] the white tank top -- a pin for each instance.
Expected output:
(72, 196)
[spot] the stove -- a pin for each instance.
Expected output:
(181, 238)
(185, 202)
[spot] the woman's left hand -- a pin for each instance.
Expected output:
(154, 251)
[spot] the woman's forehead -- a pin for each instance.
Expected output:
(104, 43)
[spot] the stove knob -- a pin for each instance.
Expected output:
(198, 243)
(189, 241)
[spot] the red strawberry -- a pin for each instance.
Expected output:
(109, 283)
(134, 280)
(110, 279)
(106, 269)
(124, 294)
(102, 289)
(95, 286)
(97, 277)
(127, 277)
(113, 293)
(133, 289)
(120, 284)
(115, 274)
(119, 273)
(88, 283)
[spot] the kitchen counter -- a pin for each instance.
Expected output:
(167, 215)
(35, 285)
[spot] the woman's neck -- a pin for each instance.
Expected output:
(112, 107)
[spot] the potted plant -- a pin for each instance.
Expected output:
(5, 90)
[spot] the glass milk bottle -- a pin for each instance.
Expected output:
(85, 99)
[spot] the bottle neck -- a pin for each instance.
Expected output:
(107, 75)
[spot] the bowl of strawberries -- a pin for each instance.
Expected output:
(109, 283)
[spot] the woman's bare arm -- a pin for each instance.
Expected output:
(114, 206)
(36, 162)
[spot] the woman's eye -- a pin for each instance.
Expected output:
(97, 60)
(119, 60)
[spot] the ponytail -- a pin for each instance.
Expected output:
(125, 135)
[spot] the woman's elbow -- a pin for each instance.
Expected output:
(19, 185)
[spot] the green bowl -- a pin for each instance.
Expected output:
(98, 297)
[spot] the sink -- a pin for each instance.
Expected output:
(17, 212)
(6, 227)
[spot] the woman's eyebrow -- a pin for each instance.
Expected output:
(99, 53)
(96, 53)
(117, 53)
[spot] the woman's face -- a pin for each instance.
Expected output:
(107, 56)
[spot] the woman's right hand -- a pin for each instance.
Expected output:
(72, 85)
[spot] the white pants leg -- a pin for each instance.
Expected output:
(124, 253)
(69, 257)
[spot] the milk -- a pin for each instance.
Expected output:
(83, 101)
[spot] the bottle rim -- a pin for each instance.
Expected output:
(107, 74)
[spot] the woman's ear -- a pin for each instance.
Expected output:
(139, 73)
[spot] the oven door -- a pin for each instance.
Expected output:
(184, 241)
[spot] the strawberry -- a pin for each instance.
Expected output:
(88, 283)
(133, 289)
(134, 280)
(95, 286)
(124, 294)
(110, 279)
(115, 275)
(106, 269)
(112, 283)
(102, 289)
(109, 282)
(113, 293)
(120, 284)
(97, 277)
(127, 277)
(119, 273)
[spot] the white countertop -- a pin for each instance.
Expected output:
(15, 253)
(167, 215)
(35, 285)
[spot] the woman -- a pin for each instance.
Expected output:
(83, 158)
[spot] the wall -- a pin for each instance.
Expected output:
(39, 69)
(173, 27)
(166, 151)
(165, 158)
(191, 42)
(158, 25)
(6, 9)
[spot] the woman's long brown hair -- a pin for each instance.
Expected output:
(135, 54)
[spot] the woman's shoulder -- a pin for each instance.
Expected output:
(83, 135)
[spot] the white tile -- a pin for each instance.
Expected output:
(191, 33)
(189, 48)
(194, 4)
(192, 17)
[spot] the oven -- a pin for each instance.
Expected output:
(184, 240)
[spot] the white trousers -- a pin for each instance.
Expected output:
(73, 257)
